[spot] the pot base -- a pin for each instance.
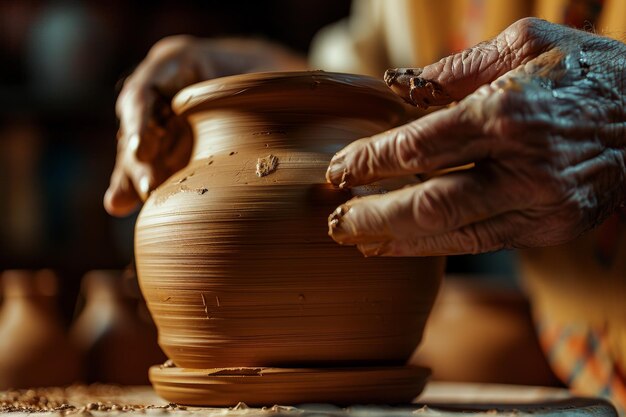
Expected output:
(285, 386)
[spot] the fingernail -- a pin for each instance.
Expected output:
(133, 143)
(144, 187)
(336, 224)
(337, 173)
(373, 249)
(107, 200)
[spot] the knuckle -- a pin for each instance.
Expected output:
(552, 188)
(127, 95)
(468, 239)
(528, 27)
(133, 95)
(526, 23)
(502, 113)
(527, 36)
(431, 211)
(410, 152)
(169, 43)
(560, 186)
(490, 236)
(567, 223)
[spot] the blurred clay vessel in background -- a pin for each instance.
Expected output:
(34, 347)
(483, 332)
(116, 344)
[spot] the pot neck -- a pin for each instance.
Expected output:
(226, 131)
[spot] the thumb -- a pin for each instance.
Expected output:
(456, 76)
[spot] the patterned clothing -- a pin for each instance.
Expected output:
(581, 357)
(578, 291)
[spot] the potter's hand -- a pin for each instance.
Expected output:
(154, 143)
(547, 135)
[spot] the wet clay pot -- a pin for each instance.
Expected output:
(233, 255)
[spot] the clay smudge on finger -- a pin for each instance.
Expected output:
(398, 75)
(414, 89)
(335, 229)
(423, 93)
(266, 165)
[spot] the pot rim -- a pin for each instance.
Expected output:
(214, 93)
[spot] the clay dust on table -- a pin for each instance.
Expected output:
(75, 399)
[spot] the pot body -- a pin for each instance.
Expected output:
(238, 269)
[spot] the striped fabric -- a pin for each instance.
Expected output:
(581, 358)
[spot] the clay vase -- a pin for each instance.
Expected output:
(107, 325)
(482, 332)
(34, 348)
(232, 252)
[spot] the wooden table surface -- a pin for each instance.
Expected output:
(439, 399)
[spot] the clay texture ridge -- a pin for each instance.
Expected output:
(237, 268)
(265, 386)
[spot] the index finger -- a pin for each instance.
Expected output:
(456, 76)
(137, 107)
(444, 139)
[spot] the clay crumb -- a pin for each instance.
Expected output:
(424, 409)
(206, 307)
(168, 364)
(180, 181)
(232, 153)
(266, 165)
(282, 408)
(269, 132)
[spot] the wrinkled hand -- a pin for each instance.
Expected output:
(153, 142)
(541, 114)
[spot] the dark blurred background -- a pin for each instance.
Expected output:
(62, 63)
